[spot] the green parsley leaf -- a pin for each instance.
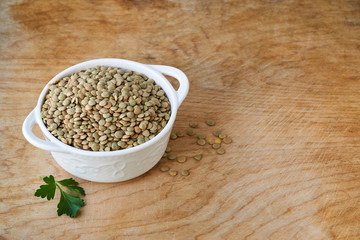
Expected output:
(48, 190)
(68, 204)
(71, 184)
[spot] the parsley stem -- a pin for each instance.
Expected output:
(56, 183)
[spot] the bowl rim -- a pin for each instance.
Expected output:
(120, 63)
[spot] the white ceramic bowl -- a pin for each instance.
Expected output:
(114, 166)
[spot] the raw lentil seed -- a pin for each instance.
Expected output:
(103, 103)
(70, 111)
(164, 168)
(62, 97)
(210, 122)
(118, 134)
(198, 157)
(216, 146)
(185, 172)
(180, 134)
(216, 133)
(220, 151)
(201, 136)
(201, 142)
(222, 136)
(193, 124)
(210, 140)
(181, 159)
(173, 172)
(137, 110)
(173, 136)
(105, 94)
(95, 147)
(146, 133)
(218, 141)
(171, 157)
(66, 102)
(122, 105)
(168, 149)
(227, 140)
(190, 132)
(92, 102)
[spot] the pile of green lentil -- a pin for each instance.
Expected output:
(105, 109)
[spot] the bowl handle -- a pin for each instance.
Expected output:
(34, 140)
(179, 75)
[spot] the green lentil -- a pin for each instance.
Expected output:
(181, 159)
(168, 149)
(95, 147)
(173, 136)
(201, 136)
(201, 142)
(216, 133)
(193, 124)
(210, 122)
(222, 136)
(179, 134)
(227, 140)
(105, 94)
(190, 132)
(173, 172)
(216, 146)
(171, 157)
(198, 157)
(220, 151)
(118, 134)
(164, 168)
(185, 172)
(210, 140)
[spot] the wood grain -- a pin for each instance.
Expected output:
(282, 78)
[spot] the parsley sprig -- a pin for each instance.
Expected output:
(68, 204)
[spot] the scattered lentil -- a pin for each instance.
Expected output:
(198, 157)
(215, 141)
(181, 159)
(222, 136)
(171, 156)
(210, 122)
(193, 124)
(164, 168)
(227, 140)
(216, 146)
(201, 136)
(168, 149)
(201, 142)
(190, 132)
(173, 136)
(210, 140)
(185, 172)
(180, 134)
(216, 133)
(173, 172)
(220, 151)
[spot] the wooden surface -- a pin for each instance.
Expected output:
(282, 78)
